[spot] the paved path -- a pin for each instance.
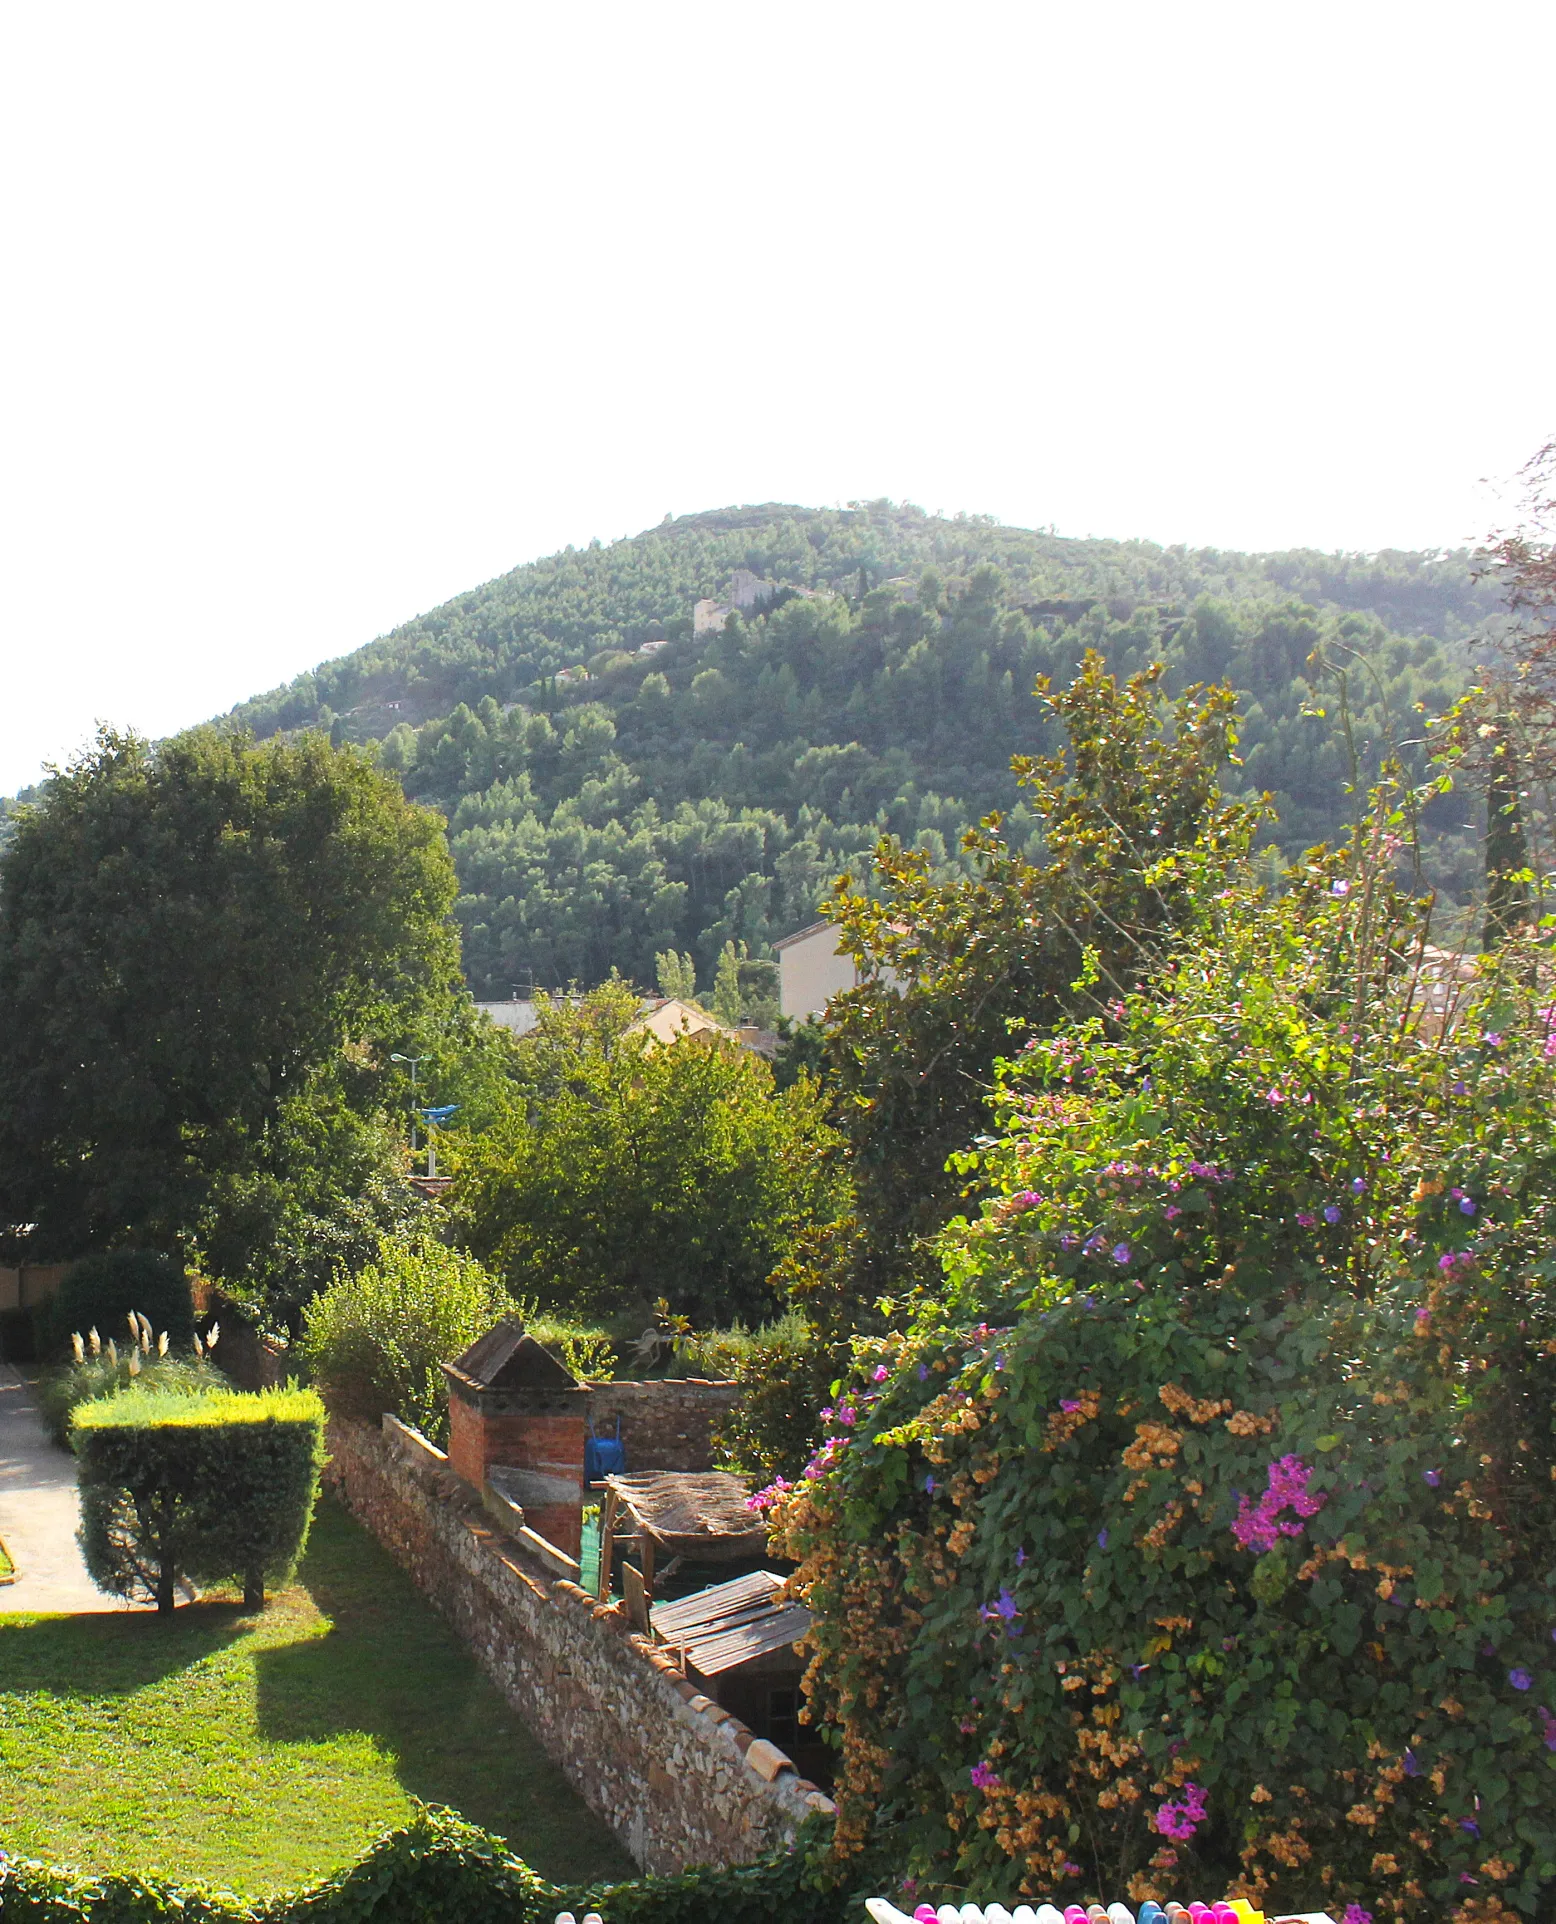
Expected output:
(39, 1512)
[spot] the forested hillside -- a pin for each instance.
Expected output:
(616, 786)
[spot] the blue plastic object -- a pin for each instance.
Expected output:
(604, 1456)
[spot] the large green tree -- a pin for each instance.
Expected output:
(628, 1171)
(209, 951)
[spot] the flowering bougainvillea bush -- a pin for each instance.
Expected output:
(1198, 1533)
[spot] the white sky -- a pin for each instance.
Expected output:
(314, 315)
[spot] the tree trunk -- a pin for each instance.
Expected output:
(1507, 851)
(167, 1576)
(254, 1590)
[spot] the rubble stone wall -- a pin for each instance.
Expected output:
(679, 1780)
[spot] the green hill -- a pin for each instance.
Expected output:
(616, 785)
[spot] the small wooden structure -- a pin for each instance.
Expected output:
(681, 1513)
(736, 1641)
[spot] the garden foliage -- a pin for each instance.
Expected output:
(1201, 1529)
(211, 1487)
(626, 1171)
(374, 1341)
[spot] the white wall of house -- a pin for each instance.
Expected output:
(811, 971)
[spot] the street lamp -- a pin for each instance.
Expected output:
(414, 1063)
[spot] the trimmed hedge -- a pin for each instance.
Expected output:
(209, 1487)
(439, 1870)
(102, 1289)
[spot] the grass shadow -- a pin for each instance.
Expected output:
(114, 1652)
(389, 1667)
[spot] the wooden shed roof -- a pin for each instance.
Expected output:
(699, 1514)
(731, 1624)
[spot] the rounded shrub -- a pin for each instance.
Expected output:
(212, 1487)
(374, 1341)
(100, 1291)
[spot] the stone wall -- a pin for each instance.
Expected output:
(666, 1424)
(679, 1780)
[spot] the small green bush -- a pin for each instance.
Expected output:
(208, 1487)
(62, 1391)
(100, 1291)
(373, 1341)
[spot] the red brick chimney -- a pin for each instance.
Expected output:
(513, 1406)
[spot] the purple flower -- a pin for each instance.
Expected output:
(1519, 1678)
(1469, 1824)
(1102, 1539)
(1549, 1731)
(1021, 1556)
(929, 1484)
(1331, 1212)
(1121, 1252)
(1412, 1764)
(1339, 888)
(1306, 1219)
(1467, 1206)
(923, 1372)
(1358, 1187)
(1463, 1088)
(1493, 1040)
(1433, 1477)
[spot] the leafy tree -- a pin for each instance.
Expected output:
(208, 951)
(726, 987)
(375, 1337)
(627, 1172)
(677, 974)
(953, 970)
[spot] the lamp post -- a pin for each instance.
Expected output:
(413, 1063)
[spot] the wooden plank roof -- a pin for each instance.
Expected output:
(732, 1623)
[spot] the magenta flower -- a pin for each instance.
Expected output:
(1069, 1404)
(1549, 1730)
(1354, 1914)
(1179, 1821)
(1260, 1526)
(1306, 1219)
(1025, 1199)
(880, 1373)
(983, 1776)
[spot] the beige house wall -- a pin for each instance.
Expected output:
(811, 971)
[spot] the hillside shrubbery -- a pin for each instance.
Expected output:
(1202, 1528)
(708, 791)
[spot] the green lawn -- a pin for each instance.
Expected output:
(263, 1751)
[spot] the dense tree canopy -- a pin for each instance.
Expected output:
(626, 1171)
(607, 805)
(207, 953)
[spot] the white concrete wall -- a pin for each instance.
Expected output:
(810, 971)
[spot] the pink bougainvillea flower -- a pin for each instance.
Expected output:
(1260, 1526)
(1306, 1219)
(880, 1373)
(1354, 1914)
(1069, 1404)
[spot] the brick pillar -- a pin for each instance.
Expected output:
(538, 1433)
